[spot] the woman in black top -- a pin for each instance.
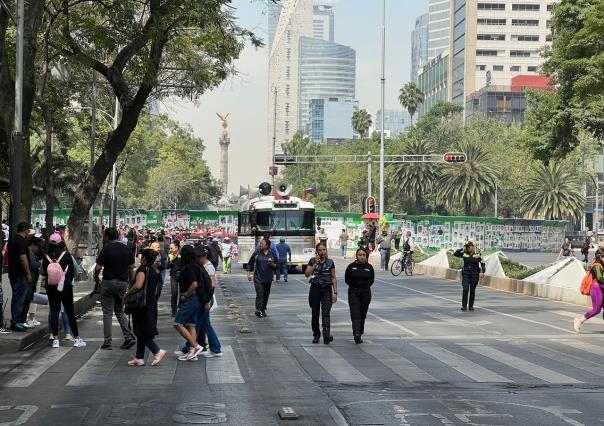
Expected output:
(473, 269)
(57, 294)
(144, 320)
(360, 277)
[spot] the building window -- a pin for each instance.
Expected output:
(532, 69)
(549, 37)
(287, 90)
(491, 37)
(526, 7)
(288, 54)
(287, 108)
(491, 6)
(481, 67)
(520, 53)
(289, 36)
(550, 7)
(525, 38)
(515, 68)
(497, 67)
(286, 127)
(548, 23)
(287, 71)
(490, 21)
(486, 53)
(525, 22)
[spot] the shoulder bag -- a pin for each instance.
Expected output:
(137, 301)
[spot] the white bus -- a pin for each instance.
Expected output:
(291, 218)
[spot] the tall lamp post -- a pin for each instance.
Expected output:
(383, 83)
(275, 91)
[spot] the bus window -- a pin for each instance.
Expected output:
(300, 220)
(271, 221)
(244, 224)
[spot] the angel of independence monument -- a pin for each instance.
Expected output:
(224, 142)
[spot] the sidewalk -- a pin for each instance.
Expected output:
(16, 341)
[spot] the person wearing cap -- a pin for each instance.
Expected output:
(226, 248)
(60, 293)
(271, 245)
(263, 264)
(473, 269)
(19, 274)
(285, 254)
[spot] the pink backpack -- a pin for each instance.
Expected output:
(54, 273)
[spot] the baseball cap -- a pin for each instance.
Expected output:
(55, 238)
(282, 239)
(200, 251)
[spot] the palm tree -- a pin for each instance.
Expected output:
(411, 97)
(552, 192)
(416, 179)
(361, 122)
(471, 184)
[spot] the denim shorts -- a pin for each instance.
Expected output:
(187, 313)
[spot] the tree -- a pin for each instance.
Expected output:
(361, 122)
(415, 179)
(471, 184)
(410, 97)
(552, 192)
(445, 110)
(164, 47)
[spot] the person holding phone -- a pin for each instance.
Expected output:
(263, 264)
(323, 292)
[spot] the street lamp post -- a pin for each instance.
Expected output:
(383, 83)
(18, 124)
(275, 91)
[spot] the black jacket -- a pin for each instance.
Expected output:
(359, 275)
(471, 262)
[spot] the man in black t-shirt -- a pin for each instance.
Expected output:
(117, 263)
(19, 274)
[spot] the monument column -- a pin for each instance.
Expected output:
(224, 142)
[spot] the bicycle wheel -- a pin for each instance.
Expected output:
(397, 267)
(409, 267)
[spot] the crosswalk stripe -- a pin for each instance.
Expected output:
(520, 364)
(448, 319)
(28, 372)
(566, 314)
(96, 369)
(340, 369)
(584, 346)
(160, 375)
(224, 370)
(397, 363)
(463, 365)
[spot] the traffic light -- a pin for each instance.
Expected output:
(364, 204)
(454, 157)
(370, 205)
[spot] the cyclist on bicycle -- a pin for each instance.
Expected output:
(408, 247)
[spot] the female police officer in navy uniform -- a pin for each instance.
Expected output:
(473, 269)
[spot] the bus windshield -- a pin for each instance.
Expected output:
(285, 220)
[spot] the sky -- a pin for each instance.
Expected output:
(244, 96)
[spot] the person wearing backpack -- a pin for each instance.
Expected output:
(144, 320)
(595, 292)
(57, 270)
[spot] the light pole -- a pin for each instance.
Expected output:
(383, 82)
(496, 200)
(275, 91)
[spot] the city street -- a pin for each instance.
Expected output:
(513, 361)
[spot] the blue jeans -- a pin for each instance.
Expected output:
(203, 328)
(65, 320)
(187, 313)
(385, 258)
(343, 248)
(20, 289)
(281, 269)
(140, 347)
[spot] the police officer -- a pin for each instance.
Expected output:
(323, 292)
(360, 277)
(473, 269)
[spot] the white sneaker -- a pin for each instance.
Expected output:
(210, 354)
(68, 337)
(194, 352)
(27, 325)
(79, 343)
(51, 337)
(32, 323)
(4, 331)
(55, 344)
(578, 324)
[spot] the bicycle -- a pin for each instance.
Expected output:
(404, 263)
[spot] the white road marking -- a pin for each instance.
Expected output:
(163, 374)
(463, 365)
(584, 346)
(331, 361)
(520, 364)
(567, 314)
(447, 319)
(96, 370)
(28, 372)
(397, 363)
(565, 330)
(224, 369)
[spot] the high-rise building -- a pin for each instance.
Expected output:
(395, 121)
(326, 70)
(433, 82)
(323, 22)
(295, 21)
(491, 42)
(438, 26)
(331, 120)
(419, 45)
(273, 10)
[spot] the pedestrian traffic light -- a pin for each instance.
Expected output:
(454, 157)
(370, 205)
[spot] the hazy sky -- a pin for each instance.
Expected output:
(357, 24)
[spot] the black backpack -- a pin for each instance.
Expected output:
(204, 289)
(406, 245)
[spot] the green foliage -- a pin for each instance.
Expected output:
(361, 122)
(454, 262)
(410, 97)
(517, 270)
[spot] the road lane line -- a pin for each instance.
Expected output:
(96, 370)
(397, 363)
(584, 346)
(520, 364)
(466, 367)
(28, 372)
(163, 374)
(336, 366)
(224, 369)
(565, 330)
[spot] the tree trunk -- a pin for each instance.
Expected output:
(104, 201)
(418, 204)
(50, 185)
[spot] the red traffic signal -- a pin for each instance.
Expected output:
(454, 157)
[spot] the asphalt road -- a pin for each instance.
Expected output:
(514, 361)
